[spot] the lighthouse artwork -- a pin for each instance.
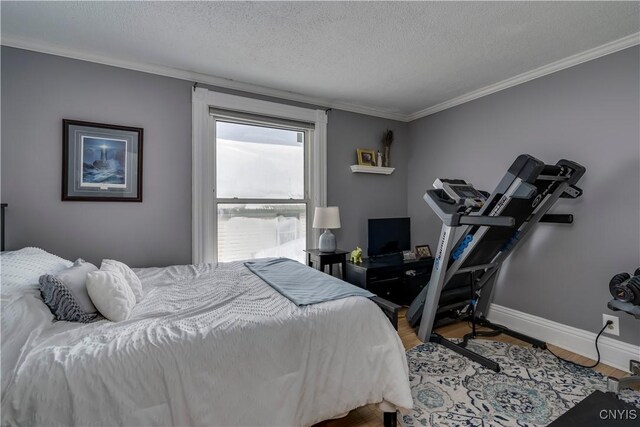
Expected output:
(103, 163)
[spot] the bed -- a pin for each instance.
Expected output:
(205, 346)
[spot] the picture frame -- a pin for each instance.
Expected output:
(101, 162)
(423, 251)
(366, 157)
(408, 256)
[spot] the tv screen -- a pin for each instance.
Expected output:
(389, 236)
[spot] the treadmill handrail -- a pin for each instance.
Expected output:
(447, 210)
(488, 221)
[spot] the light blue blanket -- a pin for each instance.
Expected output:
(301, 284)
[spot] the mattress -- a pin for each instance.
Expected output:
(205, 346)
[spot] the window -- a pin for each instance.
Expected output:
(258, 172)
(261, 192)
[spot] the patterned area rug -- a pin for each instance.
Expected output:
(532, 389)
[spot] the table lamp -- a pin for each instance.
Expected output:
(327, 218)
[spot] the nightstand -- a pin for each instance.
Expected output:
(320, 260)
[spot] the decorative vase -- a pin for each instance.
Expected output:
(327, 242)
(387, 154)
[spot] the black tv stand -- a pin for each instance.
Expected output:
(390, 277)
(396, 258)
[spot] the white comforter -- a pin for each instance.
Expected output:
(204, 347)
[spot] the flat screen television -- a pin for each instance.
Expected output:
(389, 236)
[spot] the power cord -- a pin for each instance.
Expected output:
(609, 322)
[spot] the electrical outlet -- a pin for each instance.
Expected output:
(634, 367)
(611, 329)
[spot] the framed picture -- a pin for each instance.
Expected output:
(366, 157)
(423, 251)
(101, 163)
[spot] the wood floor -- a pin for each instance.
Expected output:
(371, 416)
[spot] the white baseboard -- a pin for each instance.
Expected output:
(613, 353)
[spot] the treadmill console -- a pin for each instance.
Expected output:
(461, 192)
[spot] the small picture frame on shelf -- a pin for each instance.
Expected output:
(366, 157)
(423, 251)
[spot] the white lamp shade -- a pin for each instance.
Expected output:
(328, 217)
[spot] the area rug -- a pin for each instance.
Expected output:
(532, 389)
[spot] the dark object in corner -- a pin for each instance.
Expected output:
(599, 409)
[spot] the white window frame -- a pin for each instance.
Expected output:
(203, 228)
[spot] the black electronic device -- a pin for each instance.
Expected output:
(389, 236)
(461, 192)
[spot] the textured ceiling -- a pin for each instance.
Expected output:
(399, 57)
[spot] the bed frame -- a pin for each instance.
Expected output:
(389, 309)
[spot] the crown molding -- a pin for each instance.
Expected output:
(587, 55)
(161, 70)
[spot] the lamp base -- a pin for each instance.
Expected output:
(327, 242)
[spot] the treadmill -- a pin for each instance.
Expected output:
(491, 227)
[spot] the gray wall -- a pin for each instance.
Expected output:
(39, 90)
(361, 195)
(589, 114)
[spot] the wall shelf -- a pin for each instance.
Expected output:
(372, 169)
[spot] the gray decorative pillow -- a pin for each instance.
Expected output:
(61, 301)
(66, 293)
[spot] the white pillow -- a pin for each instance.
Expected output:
(119, 267)
(111, 294)
(25, 266)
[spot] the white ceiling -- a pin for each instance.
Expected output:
(393, 59)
